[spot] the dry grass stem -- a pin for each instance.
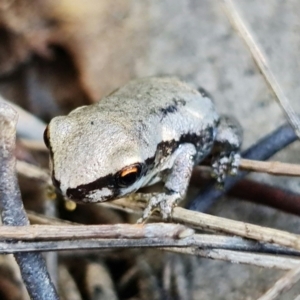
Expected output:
(204, 221)
(282, 285)
(28, 126)
(262, 64)
(185, 246)
(56, 232)
(86, 238)
(40, 219)
(32, 265)
(239, 257)
(33, 172)
(270, 167)
(68, 287)
(247, 230)
(34, 145)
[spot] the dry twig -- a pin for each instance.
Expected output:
(32, 265)
(186, 246)
(259, 260)
(29, 126)
(262, 63)
(68, 288)
(33, 172)
(34, 145)
(282, 285)
(217, 224)
(64, 232)
(270, 167)
(204, 241)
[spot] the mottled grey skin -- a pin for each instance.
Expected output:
(162, 124)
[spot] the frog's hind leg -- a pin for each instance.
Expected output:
(226, 156)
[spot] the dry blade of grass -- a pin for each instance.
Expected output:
(34, 145)
(283, 284)
(203, 240)
(239, 257)
(262, 63)
(32, 265)
(204, 221)
(186, 246)
(124, 235)
(270, 167)
(28, 125)
(32, 172)
(64, 232)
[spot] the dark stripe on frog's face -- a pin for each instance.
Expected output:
(81, 192)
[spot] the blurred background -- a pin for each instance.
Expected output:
(58, 55)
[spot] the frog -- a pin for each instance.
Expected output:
(153, 129)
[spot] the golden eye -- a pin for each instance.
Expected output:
(47, 137)
(129, 170)
(129, 175)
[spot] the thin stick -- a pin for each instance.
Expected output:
(270, 167)
(217, 224)
(259, 233)
(57, 232)
(282, 285)
(36, 218)
(35, 145)
(262, 63)
(265, 194)
(186, 246)
(124, 235)
(32, 265)
(29, 126)
(207, 240)
(33, 172)
(259, 260)
(197, 220)
(50, 210)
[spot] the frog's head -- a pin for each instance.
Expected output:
(93, 160)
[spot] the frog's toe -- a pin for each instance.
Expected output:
(166, 205)
(225, 164)
(235, 162)
(151, 206)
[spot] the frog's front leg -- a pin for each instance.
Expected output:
(226, 156)
(176, 183)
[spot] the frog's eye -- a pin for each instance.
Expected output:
(47, 137)
(129, 175)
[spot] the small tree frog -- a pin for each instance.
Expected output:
(152, 129)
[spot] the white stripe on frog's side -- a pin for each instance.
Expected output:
(99, 195)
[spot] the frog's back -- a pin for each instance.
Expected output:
(164, 103)
(163, 109)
